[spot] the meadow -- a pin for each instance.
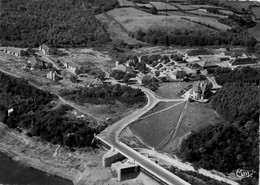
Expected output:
(170, 90)
(196, 117)
(152, 130)
(163, 6)
(255, 31)
(256, 11)
(210, 21)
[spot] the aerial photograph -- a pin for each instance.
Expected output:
(129, 92)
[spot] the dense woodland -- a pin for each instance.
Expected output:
(230, 145)
(105, 94)
(195, 38)
(34, 112)
(30, 23)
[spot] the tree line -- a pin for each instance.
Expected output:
(104, 94)
(29, 23)
(227, 146)
(33, 112)
(195, 38)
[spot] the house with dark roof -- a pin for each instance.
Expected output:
(243, 61)
(146, 79)
(46, 49)
(95, 83)
(178, 75)
(35, 63)
(200, 89)
(15, 51)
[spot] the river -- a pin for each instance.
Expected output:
(12, 172)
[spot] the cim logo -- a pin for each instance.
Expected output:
(244, 173)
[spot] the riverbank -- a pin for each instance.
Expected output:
(50, 158)
(84, 166)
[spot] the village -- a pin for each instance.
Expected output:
(145, 70)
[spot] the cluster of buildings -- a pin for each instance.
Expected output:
(206, 59)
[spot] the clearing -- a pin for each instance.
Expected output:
(116, 31)
(210, 21)
(133, 20)
(153, 129)
(170, 90)
(197, 116)
(256, 12)
(255, 31)
(163, 6)
(86, 57)
(161, 106)
(125, 3)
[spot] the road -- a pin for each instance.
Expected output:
(110, 135)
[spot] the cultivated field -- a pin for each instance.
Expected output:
(203, 6)
(163, 6)
(146, 5)
(197, 116)
(256, 11)
(127, 12)
(125, 3)
(255, 31)
(204, 13)
(152, 130)
(210, 21)
(158, 22)
(170, 90)
(239, 5)
(228, 12)
(183, 7)
(115, 29)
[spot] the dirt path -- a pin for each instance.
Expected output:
(174, 132)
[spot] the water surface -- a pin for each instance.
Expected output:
(12, 172)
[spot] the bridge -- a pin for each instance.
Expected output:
(109, 137)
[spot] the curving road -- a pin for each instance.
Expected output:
(110, 136)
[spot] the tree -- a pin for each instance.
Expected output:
(49, 66)
(154, 11)
(74, 78)
(77, 71)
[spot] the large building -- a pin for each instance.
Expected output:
(15, 51)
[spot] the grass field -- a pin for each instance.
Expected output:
(125, 3)
(153, 129)
(197, 116)
(239, 5)
(116, 32)
(183, 7)
(203, 6)
(163, 6)
(159, 107)
(255, 31)
(127, 12)
(203, 13)
(228, 12)
(170, 90)
(210, 21)
(158, 22)
(146, 5)
(256, 11)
